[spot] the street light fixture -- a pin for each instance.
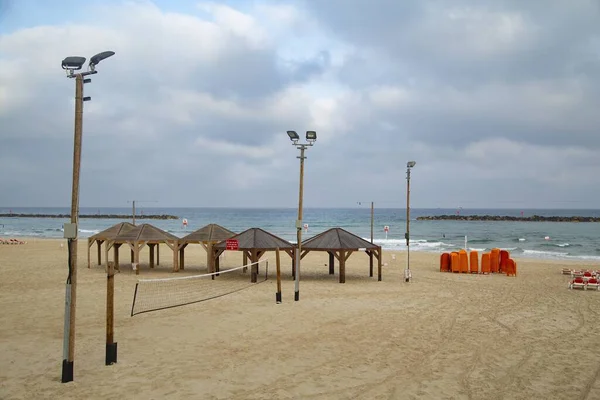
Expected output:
(311, 138)
(407, 273)
(70, 65)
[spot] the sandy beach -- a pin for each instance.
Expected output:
(443, 336)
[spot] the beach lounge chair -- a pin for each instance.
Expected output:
(485, 263)
(577, 283)
(575, 273)
(511, 267)
(587, 275)
(567, 271)
(463, 261)
(474, 262)
(445, 262)
(592, 284)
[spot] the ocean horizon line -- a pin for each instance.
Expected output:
(364, 206)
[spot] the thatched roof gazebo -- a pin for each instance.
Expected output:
(106, 236)
(145, 234)
(340, 243)
(254, 242)
(207, 236)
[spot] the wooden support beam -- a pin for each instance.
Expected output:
(331, 263)
(245, 260)
(99, 245)
(116, 256)
(111, 346)
(106, 249)
(210, 261)
(151, 251)
(157, 253)
(379, 257)
(135, 255)
(182, 257)
(304, 252)
(90, 243)
(254, 268)
(370, 253)
(342, 259)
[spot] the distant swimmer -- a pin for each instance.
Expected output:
(443, 235)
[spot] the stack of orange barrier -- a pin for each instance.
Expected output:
(474, 262)
(463, 259)
(495, 260)
(454, 262)
(445, 262)
(485, 263)
(504, 256)
(511, 267)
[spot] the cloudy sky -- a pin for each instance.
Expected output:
(498, 102)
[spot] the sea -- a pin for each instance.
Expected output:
(546, 240)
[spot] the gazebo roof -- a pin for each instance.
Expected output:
(337, 239)
(145, 233)
(208, 233)
(113, 231)
(258, 239)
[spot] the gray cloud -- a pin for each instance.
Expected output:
(496, 100)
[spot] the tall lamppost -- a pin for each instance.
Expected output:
(311, 138)
(72, 64)
(372, 215)
(407, 273)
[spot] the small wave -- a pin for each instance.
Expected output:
(479, 241)
(541, 253)
(521, 239)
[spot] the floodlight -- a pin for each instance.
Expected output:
(311, 135)
(73, 62)
(293, 135)
(99, 57)
(410, 164)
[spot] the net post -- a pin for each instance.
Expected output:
(111, 346)
(134, 296)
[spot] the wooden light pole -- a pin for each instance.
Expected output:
(72, 64)
(311, 137)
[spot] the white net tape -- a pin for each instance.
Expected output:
(159, 294)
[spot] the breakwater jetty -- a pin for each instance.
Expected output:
(97, 216)
(533, 218)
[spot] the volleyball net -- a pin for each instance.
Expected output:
(160, 294)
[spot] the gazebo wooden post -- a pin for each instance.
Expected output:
(210, 264)
(331, 263)
(254, 268)
(370, 253)
(245, 261)
(182, 257)
(136, 257)
(90, 244)
(151, 253)
(342, 266)
(217, 261)
(133, 255)
(379, 257)
(157, 253)
(175, 253)
(99, 245)
(106, 249)
(116, 256)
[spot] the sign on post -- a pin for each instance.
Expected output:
(232, 244)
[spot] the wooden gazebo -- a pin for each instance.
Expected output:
(145, 234)
(340, 244)
(207, 236)
(106, 236)
(254, 242)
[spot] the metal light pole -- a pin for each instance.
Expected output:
(372, 216)
(407, 273)
(311, 138)
(133, 207)
(72, 64)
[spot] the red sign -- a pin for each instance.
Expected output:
(232, 244)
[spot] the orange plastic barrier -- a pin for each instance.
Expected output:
(504, 256)
(454, 262)
(463, 260)
(511, 267)
(495, 260)
(474, 262)
(485, 263)
(445, 262)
